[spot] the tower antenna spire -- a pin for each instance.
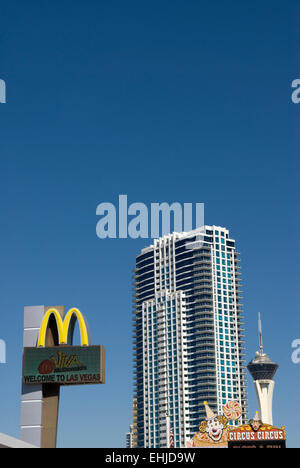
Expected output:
(263, 370)
(261, 347)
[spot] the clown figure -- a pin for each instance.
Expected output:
(214, 426)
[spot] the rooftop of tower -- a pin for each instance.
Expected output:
(182, 235)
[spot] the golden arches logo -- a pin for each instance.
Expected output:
(63, 327)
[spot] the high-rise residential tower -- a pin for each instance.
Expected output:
(188, 334)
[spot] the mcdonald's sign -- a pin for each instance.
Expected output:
(65, 328)
(64, 364)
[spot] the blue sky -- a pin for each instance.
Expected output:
(162, 101)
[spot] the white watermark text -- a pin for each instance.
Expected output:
(296, 92)
(138, 221)
(2, 92)
(2, 352)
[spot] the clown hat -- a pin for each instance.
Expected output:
(209, 413)
(256, 418)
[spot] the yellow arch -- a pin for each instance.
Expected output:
(63, 327)
(82, 325)
(45, 324)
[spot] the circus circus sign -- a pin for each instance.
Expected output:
(266, 433)
(256, 434)
(216, 432)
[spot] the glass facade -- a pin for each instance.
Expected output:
(188, 335)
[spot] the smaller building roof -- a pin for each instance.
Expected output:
(10, 442)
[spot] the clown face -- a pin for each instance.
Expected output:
(255, 425)
(215, 429)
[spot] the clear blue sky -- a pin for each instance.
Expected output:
(163, 101)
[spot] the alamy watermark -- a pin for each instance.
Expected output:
(296, 352)
(296, 92)
(138, 221)
(2, 352)
(2, 92)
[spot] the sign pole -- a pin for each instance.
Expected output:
(51, 393)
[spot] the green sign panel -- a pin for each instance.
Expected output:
(64, 365)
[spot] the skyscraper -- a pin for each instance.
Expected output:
(131, 436)
(188, 333)
(129, 443)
